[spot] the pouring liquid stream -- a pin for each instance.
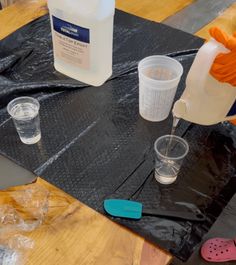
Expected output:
(174, 126)
(166, 171)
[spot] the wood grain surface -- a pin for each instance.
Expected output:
(75, 234)
(25, 11)
(19, 14)
(226, 21)
(152, 9)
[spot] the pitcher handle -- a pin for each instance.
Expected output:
(203, 62)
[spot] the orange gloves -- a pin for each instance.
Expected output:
(224, 66)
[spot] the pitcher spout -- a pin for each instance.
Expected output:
(180, 109)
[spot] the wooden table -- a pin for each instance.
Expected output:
(24, 11)
(75, 234)
(72, 232)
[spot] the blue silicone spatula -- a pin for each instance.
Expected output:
(135, 210)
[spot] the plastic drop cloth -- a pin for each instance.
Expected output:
(96, 146)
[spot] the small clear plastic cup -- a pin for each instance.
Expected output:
(25, 114)
(159, 77)
(170, 151)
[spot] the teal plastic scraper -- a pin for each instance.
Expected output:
(135, 210)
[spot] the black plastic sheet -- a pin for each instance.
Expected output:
(96, 146)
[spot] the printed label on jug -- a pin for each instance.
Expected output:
(71, 43)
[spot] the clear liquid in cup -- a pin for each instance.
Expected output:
(27, 122)
(167, 168)
(166, 171)
(172, 133)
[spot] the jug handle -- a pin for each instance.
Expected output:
(203, 62)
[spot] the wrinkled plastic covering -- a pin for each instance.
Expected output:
(13, 250)
(96, 146)
(21, 211)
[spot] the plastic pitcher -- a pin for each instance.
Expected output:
(210, 93)
(82, 34)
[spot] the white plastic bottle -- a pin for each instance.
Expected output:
(206, 100)
(82, 33)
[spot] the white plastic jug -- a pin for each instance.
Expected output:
(205, 100)
(82, 33)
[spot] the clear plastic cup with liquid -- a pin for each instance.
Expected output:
(170, 151)
(25, 114)
(159, 77)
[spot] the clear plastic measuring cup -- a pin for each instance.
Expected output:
(25, 114)
(170, 151)
(159, 77)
